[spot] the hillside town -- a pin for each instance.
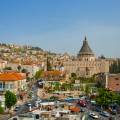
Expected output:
(41, 85)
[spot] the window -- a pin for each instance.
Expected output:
(0, 84)
(6, 86)
(3, 84)
(11, 86)
(117, 84)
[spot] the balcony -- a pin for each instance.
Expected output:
(2, 89)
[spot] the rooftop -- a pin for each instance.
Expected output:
(12, 76)
(85, 49)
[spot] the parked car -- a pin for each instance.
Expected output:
(82, 109)
(113, 112)
(17, 108)
(28, 104)
(105, 113)
(93, 115)
(98, 109)
(40, 83)
(37, 103)
(82, 103)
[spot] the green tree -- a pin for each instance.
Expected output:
(19, 67)
(102, 57)
(10, 99)
(115, 67)
(24, 70)
(1, 109)
(38, 74)
(82, 88)
(28, 79)
(67, 86)
(73, 75)
(53, 98)
(57, 86)
(49, 66)
(87, 90)
(7, 68)
(105, 97)
(118, 98)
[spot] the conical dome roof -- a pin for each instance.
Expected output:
(85, 49)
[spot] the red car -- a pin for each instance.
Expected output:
(82, 103)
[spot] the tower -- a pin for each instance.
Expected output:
(86, 52)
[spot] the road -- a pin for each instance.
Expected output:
(90, 108)
(87, 117)
(23, 107)
(4, 117)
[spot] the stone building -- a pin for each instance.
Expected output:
(110, 81)
(86, 64)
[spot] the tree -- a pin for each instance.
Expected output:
(73, 75)
(53, 98)
(7, 68)
(1, 109)
(102, 57)
(49, 67)
(10, 99)
(24, 70)
(87, 89)
(38, 74)
(19, 68)
(28, 79)
(57, 86)
(118, 99)
(82, 87)
(67, 86)
(115, 67)
(105, 97)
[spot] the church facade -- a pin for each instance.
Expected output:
(86, 64)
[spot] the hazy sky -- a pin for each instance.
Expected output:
(60, 25)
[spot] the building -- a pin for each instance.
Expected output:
(86, 64)
(54, 75)
(13, 82)
(109, 81)
(113, 82)
(31, 68)
(2, 64)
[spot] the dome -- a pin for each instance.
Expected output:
(85, 49)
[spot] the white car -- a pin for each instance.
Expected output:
(93, 115)
(28, 104)
(37, 103)
(38, 99)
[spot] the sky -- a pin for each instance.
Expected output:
(61, 25)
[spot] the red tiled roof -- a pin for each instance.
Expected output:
(12, 76)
